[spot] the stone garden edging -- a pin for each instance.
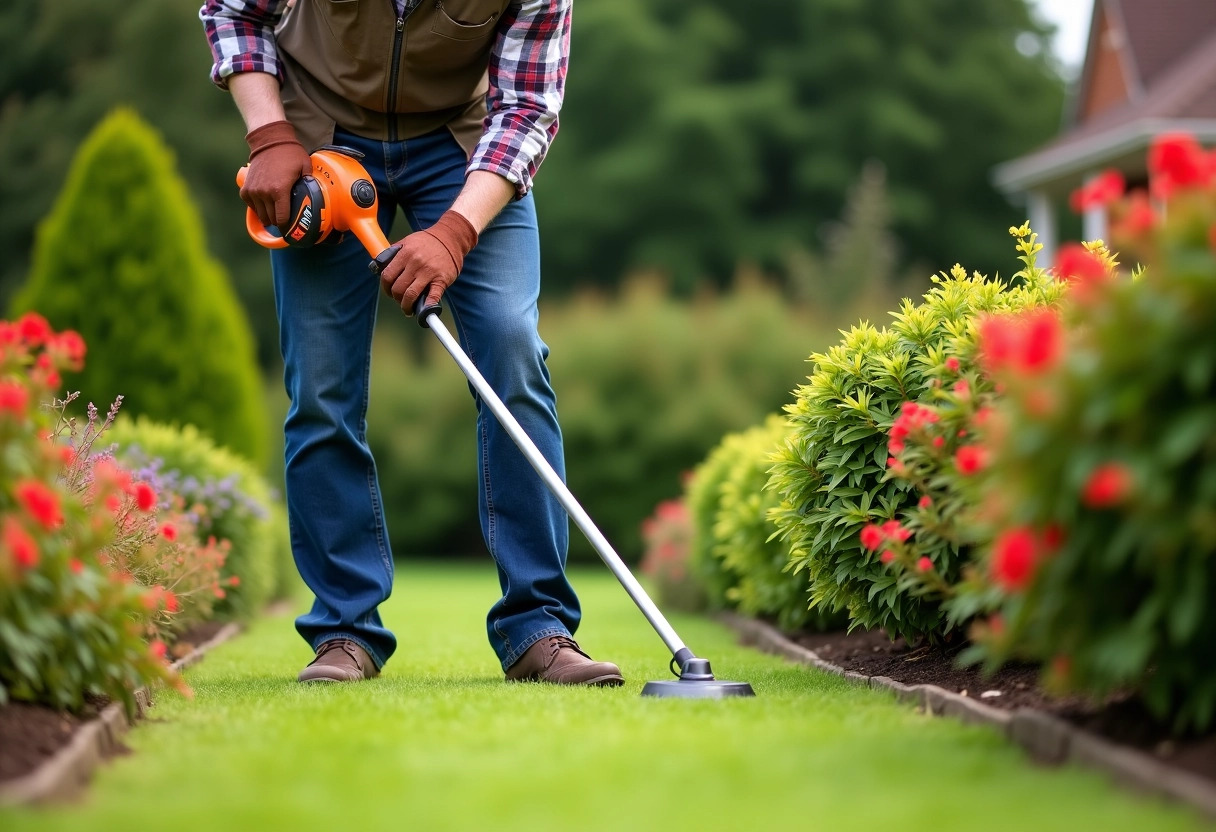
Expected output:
(64, 775)
(1046, 738)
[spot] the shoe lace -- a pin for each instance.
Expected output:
(337, 644)
(556, 643)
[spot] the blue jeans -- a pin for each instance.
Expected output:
(326, 301)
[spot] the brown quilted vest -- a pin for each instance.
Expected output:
(353, 63)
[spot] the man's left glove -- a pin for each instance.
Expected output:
(432, 257)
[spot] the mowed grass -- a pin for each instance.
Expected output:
(440, 742)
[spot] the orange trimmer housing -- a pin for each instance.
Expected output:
(338, 197)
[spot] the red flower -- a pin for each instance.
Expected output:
(76, 565)
(872, 536)
(171, 602)
(14, 398)
(1176, 160)
(924, 565)
(892, 530)
(70, 346)
(107, 472)
(1075, 263)
(1102, 190)
(234, 581)
(952, 364)
(970, 459)
(998, 341)
(158, 649)
(961, 387)
(1136, 218)
(41, 502)
(33, 329)
(1043, 341)
(1108, 485)
(145, 496)
(22, 547)
(887, 557)
(44, 373)
(912, 418)
(939, 442)
(1013, 559)
(169, 531)
(925, 501)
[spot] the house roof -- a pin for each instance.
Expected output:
(1167, 53)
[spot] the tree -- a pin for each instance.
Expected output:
(121, 259)
(694, 135)
(697, 135)
(70, 62)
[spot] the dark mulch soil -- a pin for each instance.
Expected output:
(32, 734)
(1121, 720)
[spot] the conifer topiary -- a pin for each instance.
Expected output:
(121, 259)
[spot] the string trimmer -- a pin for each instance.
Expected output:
(339, 197)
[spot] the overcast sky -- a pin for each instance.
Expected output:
(1071, 18)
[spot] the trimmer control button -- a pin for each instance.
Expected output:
(363, 193)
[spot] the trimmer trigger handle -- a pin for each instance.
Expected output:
(383, 259)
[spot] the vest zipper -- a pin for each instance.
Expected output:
(392, 81)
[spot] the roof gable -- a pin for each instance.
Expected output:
(1133, 46)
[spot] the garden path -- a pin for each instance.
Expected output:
(439, 742)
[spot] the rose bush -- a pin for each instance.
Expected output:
(1099, 500)
(69, 625)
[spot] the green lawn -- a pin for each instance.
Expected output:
(439, 742)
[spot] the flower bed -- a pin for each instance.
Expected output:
(103, 579)
(1023, 472)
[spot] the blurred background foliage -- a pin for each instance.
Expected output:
(645, 385)
(838, 151)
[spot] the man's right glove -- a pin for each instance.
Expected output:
(276, 161)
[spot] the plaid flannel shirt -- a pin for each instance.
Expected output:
(527, 72)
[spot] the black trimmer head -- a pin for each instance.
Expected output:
(697, 682)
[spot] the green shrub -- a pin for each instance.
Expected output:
(227, 497)
(703, 493)
(1101, 494)
(69, 626)
(741, 537)
(645, 386)
(121, 259)
(831, 472)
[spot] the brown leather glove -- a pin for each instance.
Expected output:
(432, 257)
(276, 161)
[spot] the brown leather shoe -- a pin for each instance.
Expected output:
(339, 660)
(559, 660)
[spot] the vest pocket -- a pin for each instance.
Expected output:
(351, 30)
(464, 20)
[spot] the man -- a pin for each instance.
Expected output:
(453, 104)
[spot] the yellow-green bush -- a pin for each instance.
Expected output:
(732, 527)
